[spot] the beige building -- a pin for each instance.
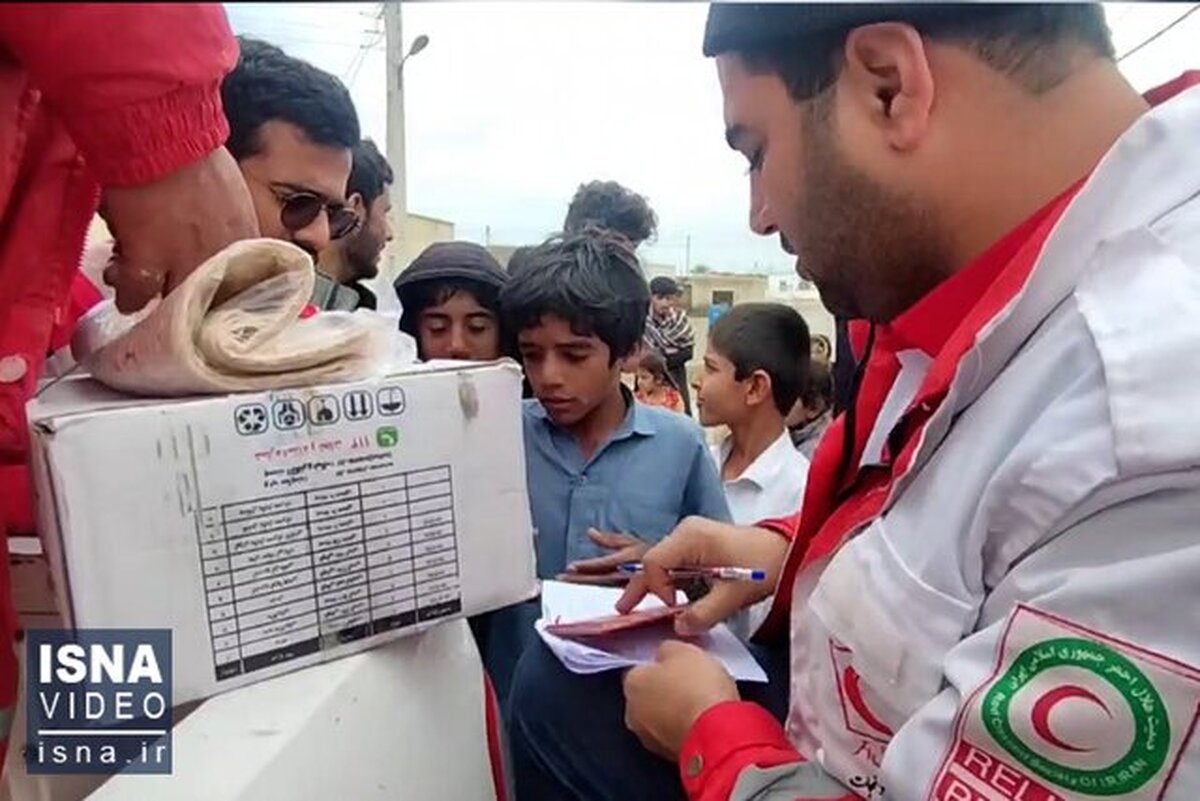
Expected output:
(702, 291)
(418, 232)
(803, 297)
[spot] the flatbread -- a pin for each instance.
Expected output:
(234, 326)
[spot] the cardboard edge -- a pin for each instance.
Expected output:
(42, 416)
(49, 511)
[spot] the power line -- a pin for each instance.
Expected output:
(374, 38)
(273, 21)
(1159, 33)
(283, 38)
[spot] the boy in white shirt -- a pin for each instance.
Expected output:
(754, 368)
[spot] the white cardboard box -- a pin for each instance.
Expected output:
(273, 531)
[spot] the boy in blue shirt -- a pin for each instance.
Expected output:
(608, 477)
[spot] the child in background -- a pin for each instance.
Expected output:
(822, 350)
(813, 412)
(754, 368)
(755, 365)
(669, 332)
(654, 386)
(629, 367)
(608, 477)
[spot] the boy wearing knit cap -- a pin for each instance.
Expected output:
(450, 300)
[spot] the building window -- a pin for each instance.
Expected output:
(722, 297)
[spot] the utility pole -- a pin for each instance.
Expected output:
(393, 30)
(687, 255)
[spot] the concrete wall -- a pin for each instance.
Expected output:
(701, 290)
(808, 303)
(698, 298)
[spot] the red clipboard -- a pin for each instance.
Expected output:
(603, 626)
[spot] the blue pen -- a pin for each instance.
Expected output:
(725, 573)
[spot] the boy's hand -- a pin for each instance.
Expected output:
(625, 548)
(699, 542)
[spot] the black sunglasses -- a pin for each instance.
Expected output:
(301, 208)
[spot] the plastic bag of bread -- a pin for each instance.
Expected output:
(234, 325)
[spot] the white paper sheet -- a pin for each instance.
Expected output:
(569, 603)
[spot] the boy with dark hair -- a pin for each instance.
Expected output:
(613, 207)
(291, 129)
(597, 461)
(669, 332)
(756, 363)
(608, 477)
(355, 257)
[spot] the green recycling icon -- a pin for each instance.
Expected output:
(387, 437)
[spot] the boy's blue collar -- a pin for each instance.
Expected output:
(637, 419)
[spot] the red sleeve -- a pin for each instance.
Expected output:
(786, 527)
(138, 86)
(726, 740)
(1161, 94)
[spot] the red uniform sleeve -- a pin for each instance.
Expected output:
(786, 527)
(1161, 94)
(726, 740)
(138, 86)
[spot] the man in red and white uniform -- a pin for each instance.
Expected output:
(991, 590)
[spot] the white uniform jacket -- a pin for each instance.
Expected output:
(1022, 622)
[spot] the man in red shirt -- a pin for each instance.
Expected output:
(110, 106)
(980, 185)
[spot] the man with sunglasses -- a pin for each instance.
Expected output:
(292, 127)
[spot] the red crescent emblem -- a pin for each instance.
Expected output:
(851, 683)
(1040, 714)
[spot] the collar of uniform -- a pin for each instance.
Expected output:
(763, 470)
(1161, 94)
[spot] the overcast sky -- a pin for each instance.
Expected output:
(513, 105)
